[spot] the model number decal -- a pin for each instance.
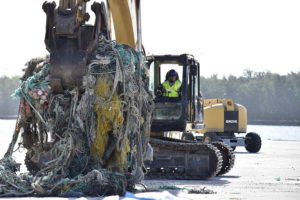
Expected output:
(231, 122)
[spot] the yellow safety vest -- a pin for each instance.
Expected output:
(171, 91)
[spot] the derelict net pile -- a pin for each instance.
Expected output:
(88, 141)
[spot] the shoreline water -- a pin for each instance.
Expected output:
(274, 122)
(250, 122)
(8, 117)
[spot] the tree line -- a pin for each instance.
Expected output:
(8, 105)
(267, 96)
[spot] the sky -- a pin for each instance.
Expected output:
(226, 37)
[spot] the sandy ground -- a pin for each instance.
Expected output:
(273, 173)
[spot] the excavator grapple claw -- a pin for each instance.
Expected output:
(70, 41)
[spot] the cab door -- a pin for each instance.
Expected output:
(195, 101)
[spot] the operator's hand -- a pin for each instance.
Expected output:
(159, 91)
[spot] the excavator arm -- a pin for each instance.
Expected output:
(126, 22)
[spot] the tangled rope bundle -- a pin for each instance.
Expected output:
(91, 140)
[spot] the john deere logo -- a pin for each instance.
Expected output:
(231, 122)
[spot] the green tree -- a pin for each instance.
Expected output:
(266, 95)
(8, 105)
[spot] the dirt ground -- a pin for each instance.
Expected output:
(273, 173)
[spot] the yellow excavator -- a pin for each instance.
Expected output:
(71, 42)
(175, 157)
(223, 119)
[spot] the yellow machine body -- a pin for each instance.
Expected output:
(223, 115)
(123, 22)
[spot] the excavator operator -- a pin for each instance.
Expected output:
(172, 84)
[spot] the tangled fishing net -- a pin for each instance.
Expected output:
(91, 140)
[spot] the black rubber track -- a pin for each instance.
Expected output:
(228, 157)
(176, 149)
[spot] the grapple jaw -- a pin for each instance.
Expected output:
(71, 42)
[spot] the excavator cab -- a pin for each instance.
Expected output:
(174, 157)
(176, 113)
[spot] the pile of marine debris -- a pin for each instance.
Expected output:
(90, 141)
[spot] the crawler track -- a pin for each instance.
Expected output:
(188, 160)
(228, 157)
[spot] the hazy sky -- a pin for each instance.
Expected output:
(225, 36)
